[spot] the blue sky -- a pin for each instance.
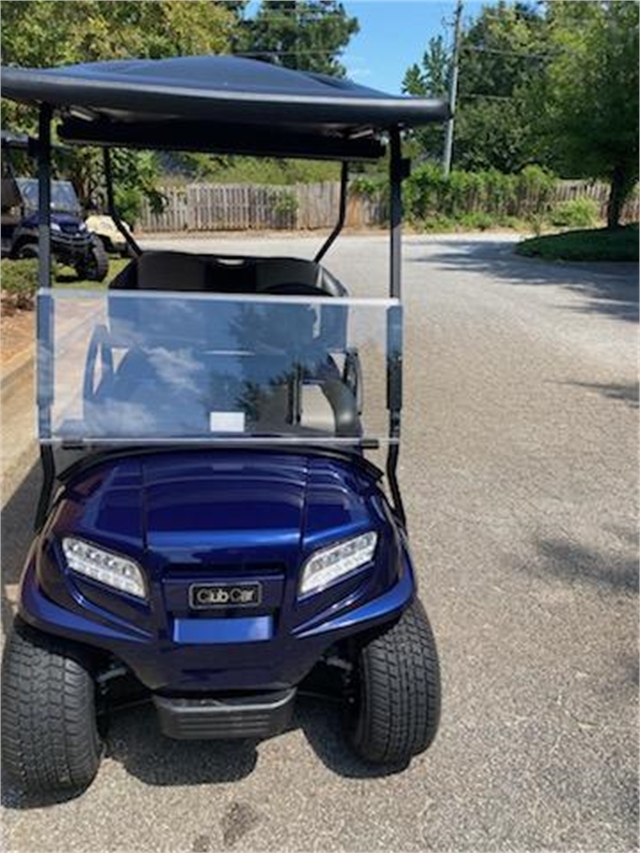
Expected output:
(394, 34)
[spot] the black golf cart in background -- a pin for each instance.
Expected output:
(72, 244)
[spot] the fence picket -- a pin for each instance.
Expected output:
(215, 207)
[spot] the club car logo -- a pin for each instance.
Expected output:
(203, 596)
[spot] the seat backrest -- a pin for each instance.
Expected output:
(178, 271)
(288, 272)
(9, 194)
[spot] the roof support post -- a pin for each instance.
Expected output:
(344, 181)
(395, 213)
(44, 195)
(394, 319)
(44, 315)
(111, 204)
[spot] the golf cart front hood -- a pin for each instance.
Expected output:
(189, 508)
(202, 508)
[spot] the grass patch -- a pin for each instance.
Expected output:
(66, 276)
(594, 244)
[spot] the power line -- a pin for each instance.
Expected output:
(267, 52)
(490, 97)
(500, 52)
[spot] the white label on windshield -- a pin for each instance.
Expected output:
(226, 421)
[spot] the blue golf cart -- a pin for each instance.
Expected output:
(212, 532)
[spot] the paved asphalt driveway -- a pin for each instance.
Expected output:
(519, 470)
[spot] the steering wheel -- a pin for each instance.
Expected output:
(99, 345)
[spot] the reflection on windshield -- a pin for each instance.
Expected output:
(63, 195)
(156, 366)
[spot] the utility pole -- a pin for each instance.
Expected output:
(453, 90)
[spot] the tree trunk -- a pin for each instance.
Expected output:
(620, 187)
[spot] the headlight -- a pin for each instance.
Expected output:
(55, 227)
(332, 564)
(104, 567)
(82, 226)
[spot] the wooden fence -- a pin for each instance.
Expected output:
(599, 192)
(240, 207)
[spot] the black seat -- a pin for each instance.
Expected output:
(183, 271)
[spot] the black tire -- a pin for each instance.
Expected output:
(96, 266)
(397, 705)
(50, 739)
(29, 250)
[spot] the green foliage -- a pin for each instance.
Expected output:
(19, 280)
(477, 221)
(304, 34)
(588, 97)
(257, 170)
(40, 33)
(604, 244)
(575, 213)
(55, 32)
(430, 78)
(286, 205)
(429, 193)
(500, 53)
(369, 186)
(43, 33)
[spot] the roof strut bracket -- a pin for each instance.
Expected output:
(111, 205)
(344, 181)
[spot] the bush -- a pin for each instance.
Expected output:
(478, 221)
(489, 195)
(19, 282)
(285, 205)
(369, 186)
(577, 213)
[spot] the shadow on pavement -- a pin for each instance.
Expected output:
(134, 740)
(624, 393)
(322, 725)
(608, 288)
(574, 563)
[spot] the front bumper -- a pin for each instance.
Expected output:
(233, 717)
(71, 247)
(219, 654)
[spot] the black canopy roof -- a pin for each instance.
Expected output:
(218, 103)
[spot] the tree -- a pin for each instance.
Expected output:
(501, 52)
(430, 78)
(589, 95)
(304, 34)
(44, 33)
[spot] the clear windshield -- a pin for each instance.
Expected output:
(63, 195)
(153, 366)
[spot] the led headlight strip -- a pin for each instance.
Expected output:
(105, 567)
(331, 564)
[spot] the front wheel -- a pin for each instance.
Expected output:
(96, 265)
(396, 701)
(50, 739)
(28, 250)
